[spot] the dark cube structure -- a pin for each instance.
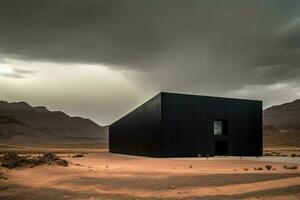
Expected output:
(178, 125)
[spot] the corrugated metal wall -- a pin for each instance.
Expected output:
(139, 132)
(188, 125)
(182, 125)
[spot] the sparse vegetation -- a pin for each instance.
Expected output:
(191, 166)
(245, 169)
(292, 167)
(268, 154)
(2, 176)
(293, 155)
(258, 168)
(78, 155)
(273, 153)
(268, 167)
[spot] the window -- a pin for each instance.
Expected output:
(218, 127)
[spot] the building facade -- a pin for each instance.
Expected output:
(177, 125)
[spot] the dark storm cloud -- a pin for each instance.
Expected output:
(200, 45)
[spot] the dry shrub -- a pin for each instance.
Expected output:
(290, 167)
(78, 155)
(268, 154)
(258, 168)
(268, 167)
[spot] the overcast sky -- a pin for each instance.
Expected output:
(100, 59)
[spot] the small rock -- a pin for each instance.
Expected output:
(62, 162)
(11, 160)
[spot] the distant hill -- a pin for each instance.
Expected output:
(283, 117)
(22, 119)
(282, 125)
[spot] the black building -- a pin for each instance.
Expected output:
(173, 125)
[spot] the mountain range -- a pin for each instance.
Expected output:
(283, 117)
(19, 118)
(281, 123)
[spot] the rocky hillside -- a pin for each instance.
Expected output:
(22, 119)
(283, 117)
(282, 125)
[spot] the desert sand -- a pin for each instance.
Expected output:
(103, 175)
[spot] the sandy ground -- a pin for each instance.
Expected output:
(32, 145)
(111, 176)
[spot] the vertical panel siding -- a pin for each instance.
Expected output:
(188, 125)
(139, 132)
(176, 125)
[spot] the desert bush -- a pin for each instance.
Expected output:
(290, 167)
(258, 168)
(245, 169)
(268, 154)
(268, 167)
(293, 155)
(78, 155)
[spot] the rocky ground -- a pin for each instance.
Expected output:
(12, 160)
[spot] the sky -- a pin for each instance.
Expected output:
(101, 59)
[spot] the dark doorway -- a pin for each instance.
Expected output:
(221, 148)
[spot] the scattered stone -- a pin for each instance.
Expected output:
(48, 158)
(62, 162)
(11, 160)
